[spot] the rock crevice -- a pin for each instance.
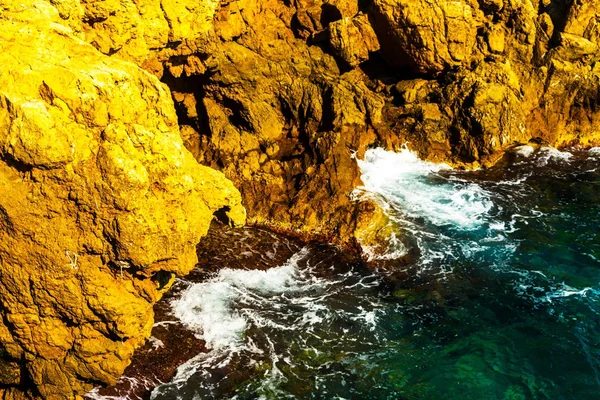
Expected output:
(287, 92)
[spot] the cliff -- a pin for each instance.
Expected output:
(100, 206)
(279, 94)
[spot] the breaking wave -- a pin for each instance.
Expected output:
(242, 315)
(499, 300)
(458, 218)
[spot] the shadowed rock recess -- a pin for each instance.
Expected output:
(101, 204)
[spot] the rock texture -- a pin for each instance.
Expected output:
(99, 197)
(278, 94)
(100, 206)
(285, 92)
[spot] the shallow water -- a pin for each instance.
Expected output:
(501, 302)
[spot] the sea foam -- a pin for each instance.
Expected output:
(243, 315)
(206, 308)
(415, 188)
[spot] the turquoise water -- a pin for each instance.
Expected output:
(501, 300)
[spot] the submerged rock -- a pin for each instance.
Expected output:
(99, 202)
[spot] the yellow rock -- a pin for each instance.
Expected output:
(353, 39)
(97, 195)
(426, 35)
(495, 39)
(459, 80)
(145, 30)
(574, 47)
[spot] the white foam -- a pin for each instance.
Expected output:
(380, 166)
(156, 343)
(164, 323)
(440, 212)
(413, 186)
(94, 394)
(547, 154)
(206, 308)
(285, 299)
(391, 249)
(524, 151)
(129, 385)
(565, 291)
(273, 280)
(594, 151)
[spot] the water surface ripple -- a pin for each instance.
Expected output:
(501, 301)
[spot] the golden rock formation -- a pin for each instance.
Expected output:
(100, 206)
(424, 35)
(99, 197)
(289, 90)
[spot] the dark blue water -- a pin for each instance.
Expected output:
(514, 313)
(500, 298)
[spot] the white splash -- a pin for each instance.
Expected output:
(524, 151)
(565, 291)
(390, 248)
(207, 308)
(129, 385)
(237, 311)
(439, 212)
(156, 343)
(381, 166)
(546, 154)
(413, 186)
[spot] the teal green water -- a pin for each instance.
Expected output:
(502, 301)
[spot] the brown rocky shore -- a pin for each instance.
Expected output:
(126, 126)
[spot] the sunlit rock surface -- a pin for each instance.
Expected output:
(277, 95)
(99, 195)
(100, 206)
(282, 93)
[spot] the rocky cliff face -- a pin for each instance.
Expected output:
(104, 203)
(279, 94)
(100, 206)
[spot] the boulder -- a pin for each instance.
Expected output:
(101, 206)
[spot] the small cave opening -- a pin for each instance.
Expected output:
(329, 14)
(221, 215)
(378, 69)
(27, 383)
(328, 114)
(18, 165)
(193, 85)
(68, 321)
(114, 336)
(364, 5)
(162, 278)
(559, 14)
